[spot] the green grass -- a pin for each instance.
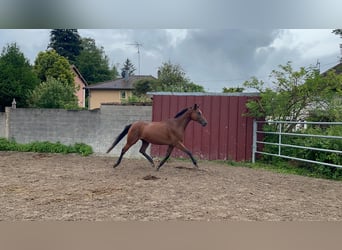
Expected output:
(285, 167)
(45, 147)
(278, 165)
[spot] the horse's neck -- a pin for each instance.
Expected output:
(183, 120)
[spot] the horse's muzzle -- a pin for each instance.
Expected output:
(203, 123)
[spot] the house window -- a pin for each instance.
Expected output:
(123, 94)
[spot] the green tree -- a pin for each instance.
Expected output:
(328, 102)
(128, 66)
(16, 77)
(50, 64)
(232, 90)
(93, 63)
(172, 77)
(114, 72)
(192, 87)
(338, 32)
(66, 42)
(293, 93)
(53, 94)
(143, 86)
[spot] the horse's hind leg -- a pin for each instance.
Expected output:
(130, 142)
(168, 153)
(143, 152)
(123, 151)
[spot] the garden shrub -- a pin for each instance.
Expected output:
(45, 147)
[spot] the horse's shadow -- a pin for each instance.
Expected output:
(191, 169)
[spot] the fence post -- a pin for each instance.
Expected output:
(254, 146)
(14, 104)
(7, 122)
(279, 139)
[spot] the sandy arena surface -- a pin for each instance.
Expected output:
(43, 187)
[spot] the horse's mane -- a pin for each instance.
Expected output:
(181, 112)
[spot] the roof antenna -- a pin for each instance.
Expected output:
(137, 45)
(318, 65)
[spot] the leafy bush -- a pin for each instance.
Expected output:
(45, 147)
(53, 94)
(137, 100)
(83, 149)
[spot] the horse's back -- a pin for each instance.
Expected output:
(153, 132)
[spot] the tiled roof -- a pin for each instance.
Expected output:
(337, 68)
(119, 83)
(73, 67)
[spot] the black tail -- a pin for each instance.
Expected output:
(120, 136)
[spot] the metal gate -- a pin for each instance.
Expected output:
(280, 146)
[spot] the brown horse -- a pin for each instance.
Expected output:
(169, 132)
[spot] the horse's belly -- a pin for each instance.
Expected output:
(159, 135)
(158, 139)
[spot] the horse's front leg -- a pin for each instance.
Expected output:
(188, 152)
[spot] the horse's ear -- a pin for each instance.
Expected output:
(196, 106)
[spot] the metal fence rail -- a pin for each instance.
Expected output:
(257, 132)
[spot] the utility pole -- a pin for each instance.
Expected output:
(137, 45)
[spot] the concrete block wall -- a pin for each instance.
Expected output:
(113, 120)
(2, 124)
(96, 128)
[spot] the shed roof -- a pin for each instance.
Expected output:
(204, 93)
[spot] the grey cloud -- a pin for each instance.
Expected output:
(214, 58)
(224, 56)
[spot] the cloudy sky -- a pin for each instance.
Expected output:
(213, 58)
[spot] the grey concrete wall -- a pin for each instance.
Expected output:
(2, 124)
(96, 128)
(113, 120)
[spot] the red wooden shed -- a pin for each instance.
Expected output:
(229, 133)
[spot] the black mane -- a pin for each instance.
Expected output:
(181, 112)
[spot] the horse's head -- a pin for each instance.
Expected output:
(196, 115)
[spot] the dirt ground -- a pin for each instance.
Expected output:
(38, 187)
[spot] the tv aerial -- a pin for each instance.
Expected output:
(137, 45)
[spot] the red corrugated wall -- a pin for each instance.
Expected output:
(228, 135)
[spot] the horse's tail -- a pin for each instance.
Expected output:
(119, 138)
